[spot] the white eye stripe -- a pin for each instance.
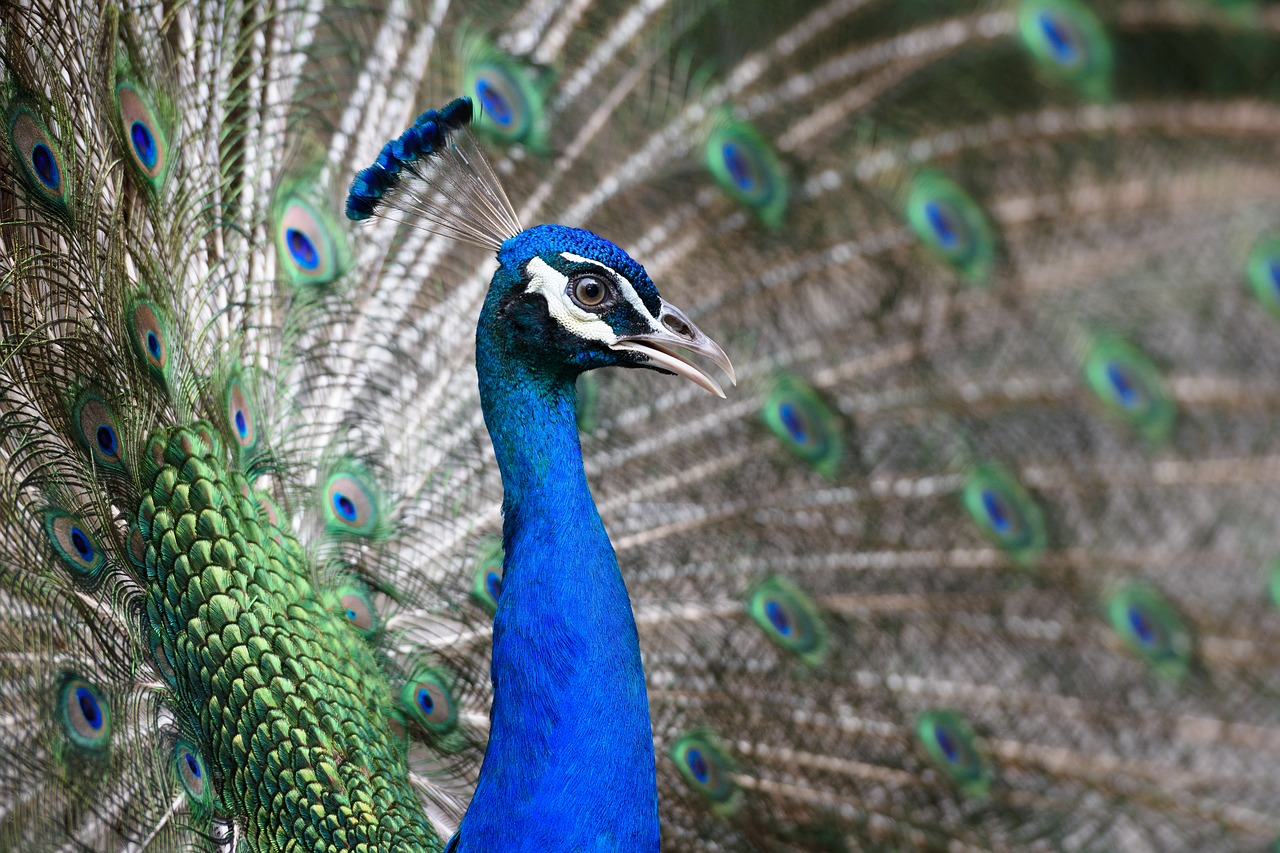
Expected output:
(552, 284)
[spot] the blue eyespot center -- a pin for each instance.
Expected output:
(493, 583)
(144, 144)
(778, 617)
(946, 743)
(794, 422)
(1060, 39)
(698, 765)
(425, 702)
(351, 615)
(493, 103)
(153, 344)
(193, 766)
(1273, 269)
(106, 440)
(81, 543)
(739, 166)
(1126, 390)
(1141, 627)
(45, 165)
(89, 707)
(997, 513)
(942, 221)
(302, 249)
(344, 506)
(242, 425)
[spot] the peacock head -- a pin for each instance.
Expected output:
(568, 301)
(563, 300)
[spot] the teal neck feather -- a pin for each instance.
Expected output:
(570, 762)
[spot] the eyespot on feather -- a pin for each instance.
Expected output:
(952, 225)
(509, 93)
(193, 773)
(309, 243)
(39, 155)
(706, 769)
(1068, 41)
(85, 714)
(356, 608)
(1005, 513)
(97, 431)
(1150, 628)
(804, 423)
(427, 699)
(789, 618)
(149, 333)
(145, 141)
(351, 504)
(747, 168)
(242, 421)
(950, 745)
(1130, 387)
(75, 544)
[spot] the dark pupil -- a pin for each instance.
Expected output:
(1124, 388)
(794, 422)
(46, 167)
(143, 143)
(153, 344)
(351, 614)
(778, 617)
(946, 744)
(590, 291)
(995, 511)
(346, 507)
(1059, 39)
(493, 102)
(106, 440)
(1140, 627)
(89, 708)
(698, 765)
(494, 583)
(192, 765)
(302, 249)
(739, 167)
(943, 228)
(81, 544)
(242, 426)
(425, 702)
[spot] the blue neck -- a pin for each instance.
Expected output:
(570, 762)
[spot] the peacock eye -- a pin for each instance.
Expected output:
(589, 291)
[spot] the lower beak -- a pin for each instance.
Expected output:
(678, 332)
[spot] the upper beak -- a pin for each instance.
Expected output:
(678, 331)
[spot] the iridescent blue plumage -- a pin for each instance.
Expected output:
(570, 761)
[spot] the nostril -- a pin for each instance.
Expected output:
(677, 326)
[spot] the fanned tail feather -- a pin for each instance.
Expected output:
(980, 554)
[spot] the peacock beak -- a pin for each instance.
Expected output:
(678, 331)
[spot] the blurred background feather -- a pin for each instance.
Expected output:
(982, 554)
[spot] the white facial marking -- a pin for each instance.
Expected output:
(554, 286)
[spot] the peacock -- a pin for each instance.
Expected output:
(332, 518)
